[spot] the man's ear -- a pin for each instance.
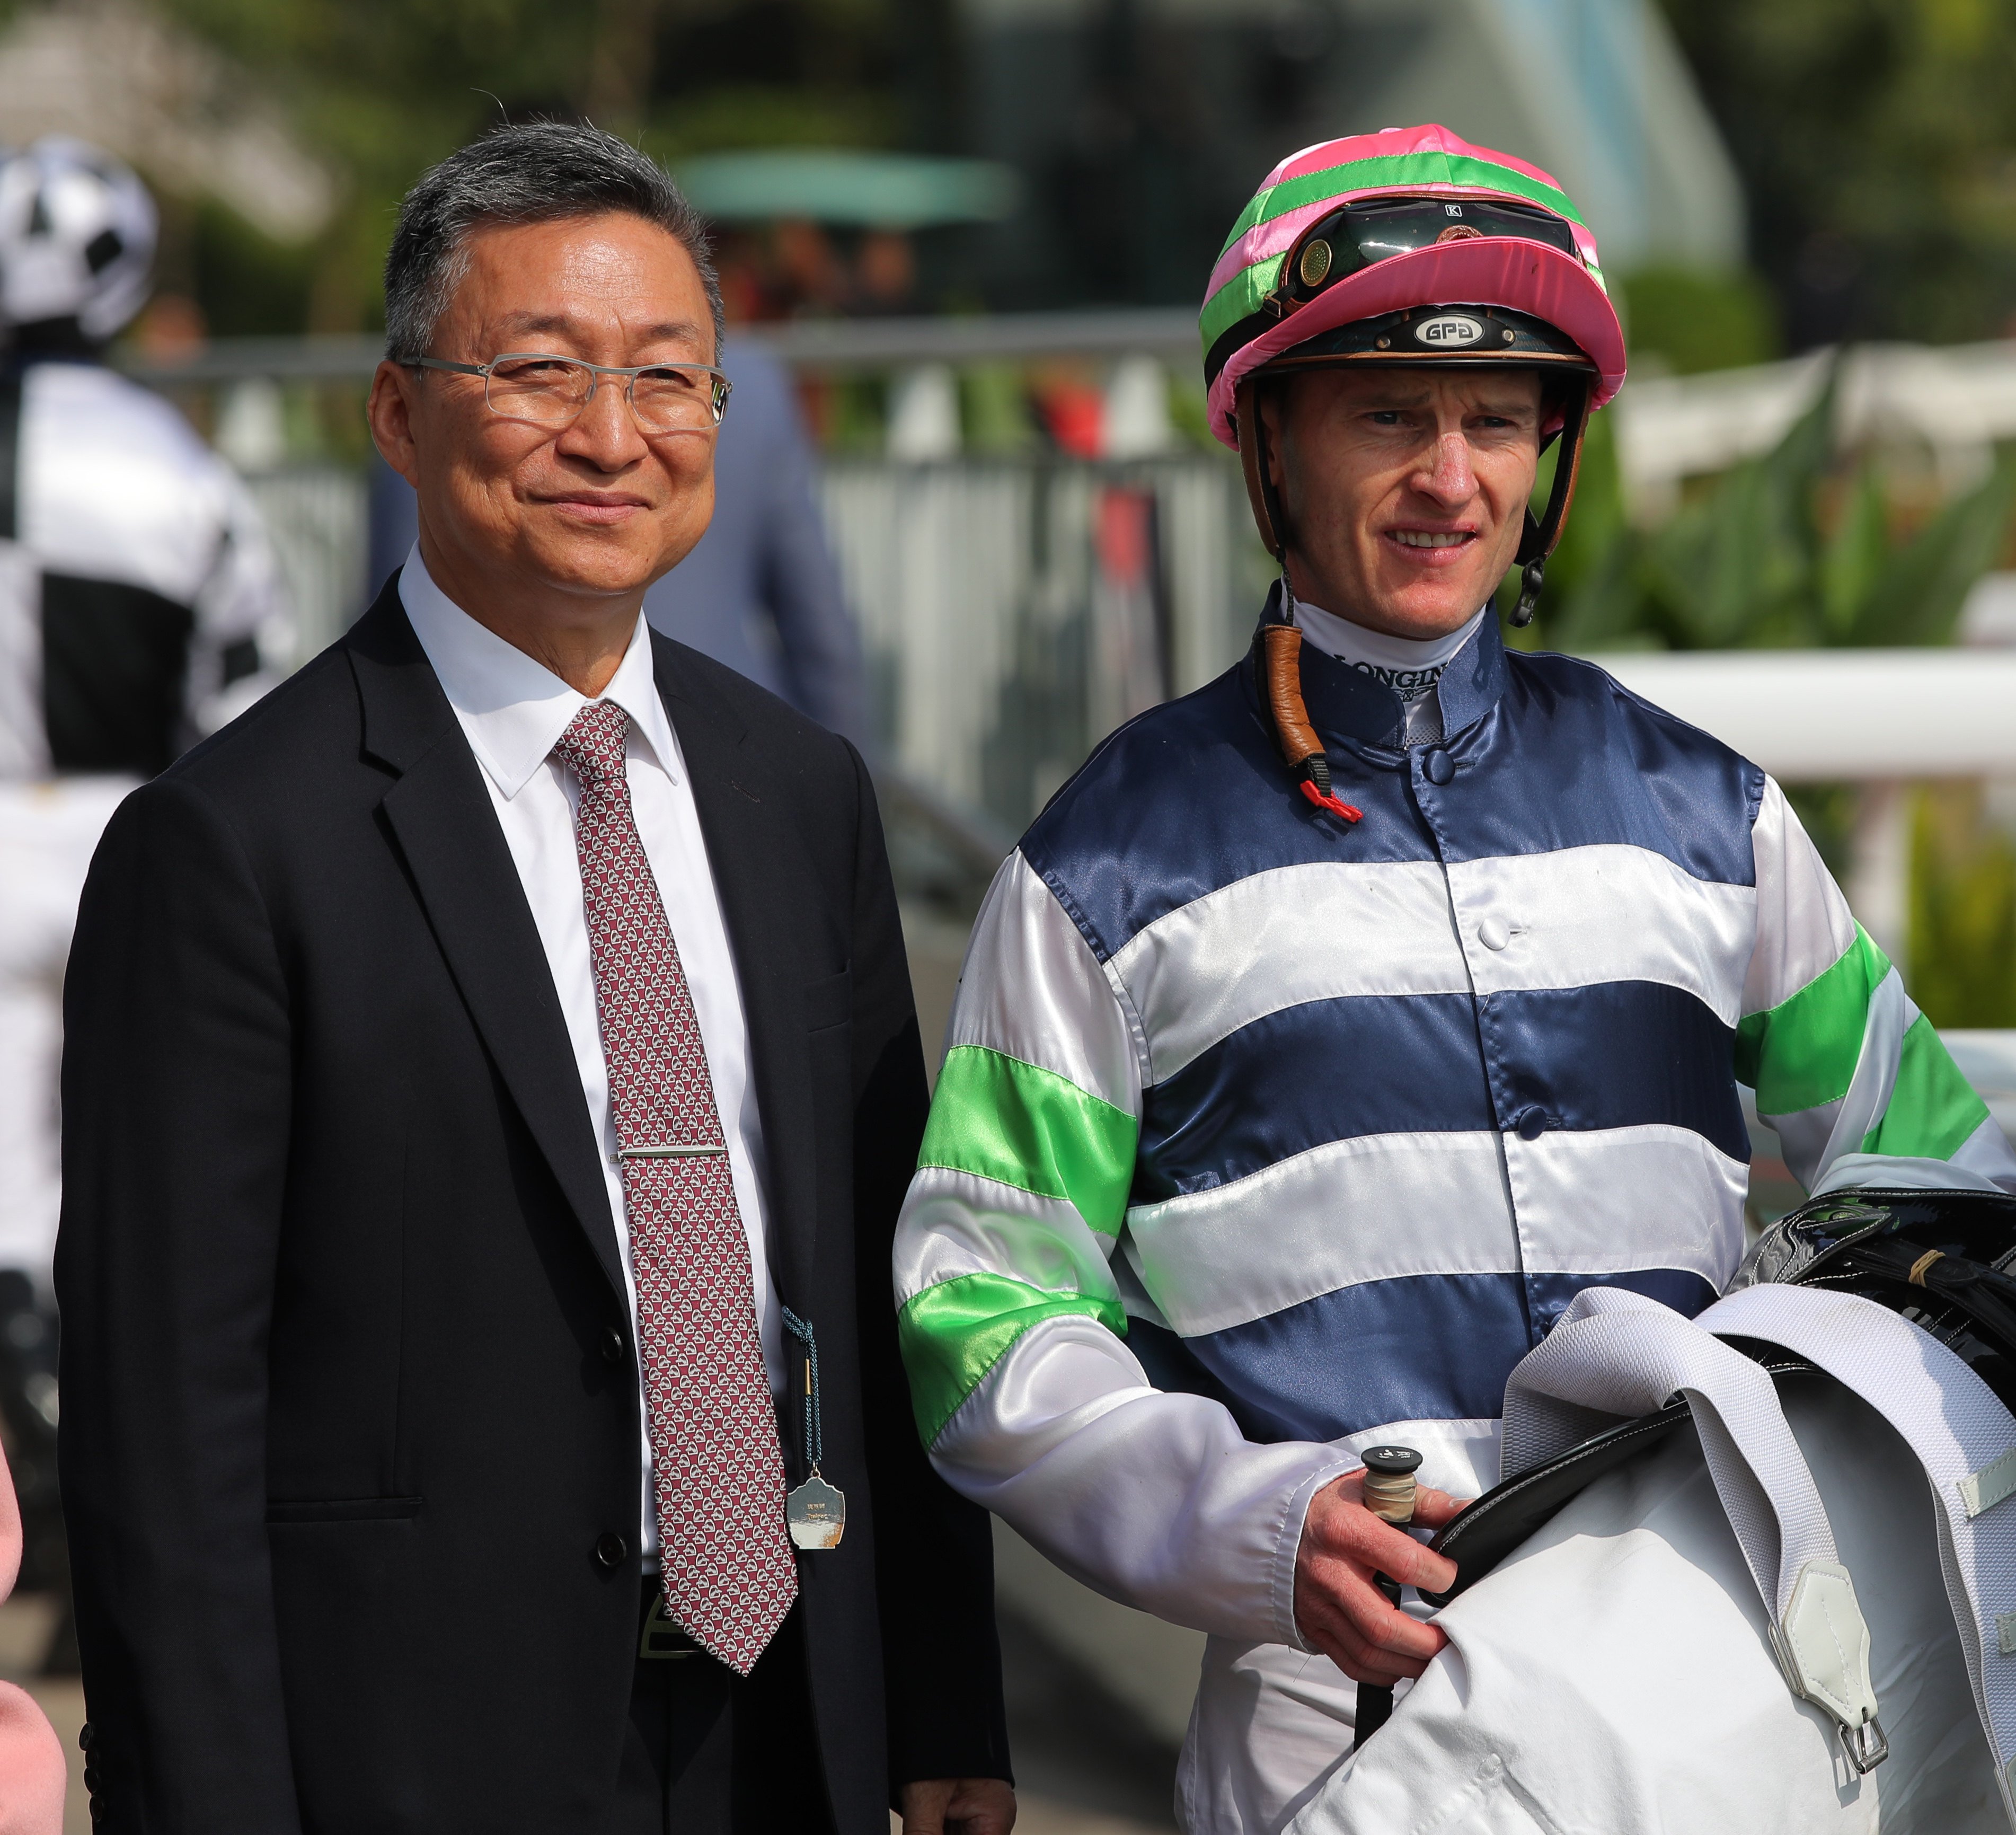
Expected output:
(390, 415)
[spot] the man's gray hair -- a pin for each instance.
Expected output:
(535, 172)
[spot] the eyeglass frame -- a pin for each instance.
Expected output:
(597, 371)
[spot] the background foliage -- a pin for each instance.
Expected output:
(381, 89)
(1963, 912)
(1877, 140)
(1798, 547)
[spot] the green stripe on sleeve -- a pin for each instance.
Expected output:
(1933, 1109)
(1002, 1120)
(1803, 1051)
(953, 1334)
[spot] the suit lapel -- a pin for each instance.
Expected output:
(759, 876)
(440, 815)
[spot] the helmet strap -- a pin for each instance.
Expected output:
(1277, 645)
(1539, 540)
(1262, 494)
(1270, 491)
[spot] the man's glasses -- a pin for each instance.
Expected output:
(555, 391)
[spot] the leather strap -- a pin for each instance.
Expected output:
(1281, 681)
(1268, 516)
(1541, 537)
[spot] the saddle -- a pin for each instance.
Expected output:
(1906, 1297)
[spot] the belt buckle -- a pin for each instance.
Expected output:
(662, 1640)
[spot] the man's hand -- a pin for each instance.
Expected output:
(1339, 1610)
(958, 1806)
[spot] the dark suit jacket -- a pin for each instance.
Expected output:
(349, 1397)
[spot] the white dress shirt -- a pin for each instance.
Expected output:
(513, 711)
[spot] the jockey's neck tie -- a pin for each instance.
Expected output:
(724, 1552)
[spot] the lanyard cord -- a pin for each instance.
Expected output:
(815, 1434)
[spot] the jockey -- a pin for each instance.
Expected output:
(141, 607)
(1338, 1023)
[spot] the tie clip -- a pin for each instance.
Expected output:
(670, 1152)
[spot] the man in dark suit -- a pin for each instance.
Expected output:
(491, 1080)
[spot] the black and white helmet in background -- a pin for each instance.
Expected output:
(77, 232)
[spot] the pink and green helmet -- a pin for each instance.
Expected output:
(1369, 249)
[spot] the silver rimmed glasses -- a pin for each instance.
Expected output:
(555, 391)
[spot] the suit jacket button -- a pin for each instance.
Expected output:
(1532, 1124)
(612, 1346)
(1438, 767)
(85, 1734)
(610, 1548)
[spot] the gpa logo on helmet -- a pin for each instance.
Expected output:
(1448, 331)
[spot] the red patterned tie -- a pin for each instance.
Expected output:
(723, 1550)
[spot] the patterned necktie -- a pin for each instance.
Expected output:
(724, 1553)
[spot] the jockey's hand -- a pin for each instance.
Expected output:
(1339, 1610)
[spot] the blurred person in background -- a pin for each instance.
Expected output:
(808, 273)
(761, 592)
(172, 330)
(1339, 1023)
(885, 275)
(140, 605)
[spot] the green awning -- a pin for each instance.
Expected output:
(870, 190)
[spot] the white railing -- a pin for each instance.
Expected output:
(1013, 615)
(319, 523)
(1951, 402)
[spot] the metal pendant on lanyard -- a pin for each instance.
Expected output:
(815, 1511)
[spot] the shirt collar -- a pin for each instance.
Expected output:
(513, 708)
(1342, 700)
(1357, 645)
